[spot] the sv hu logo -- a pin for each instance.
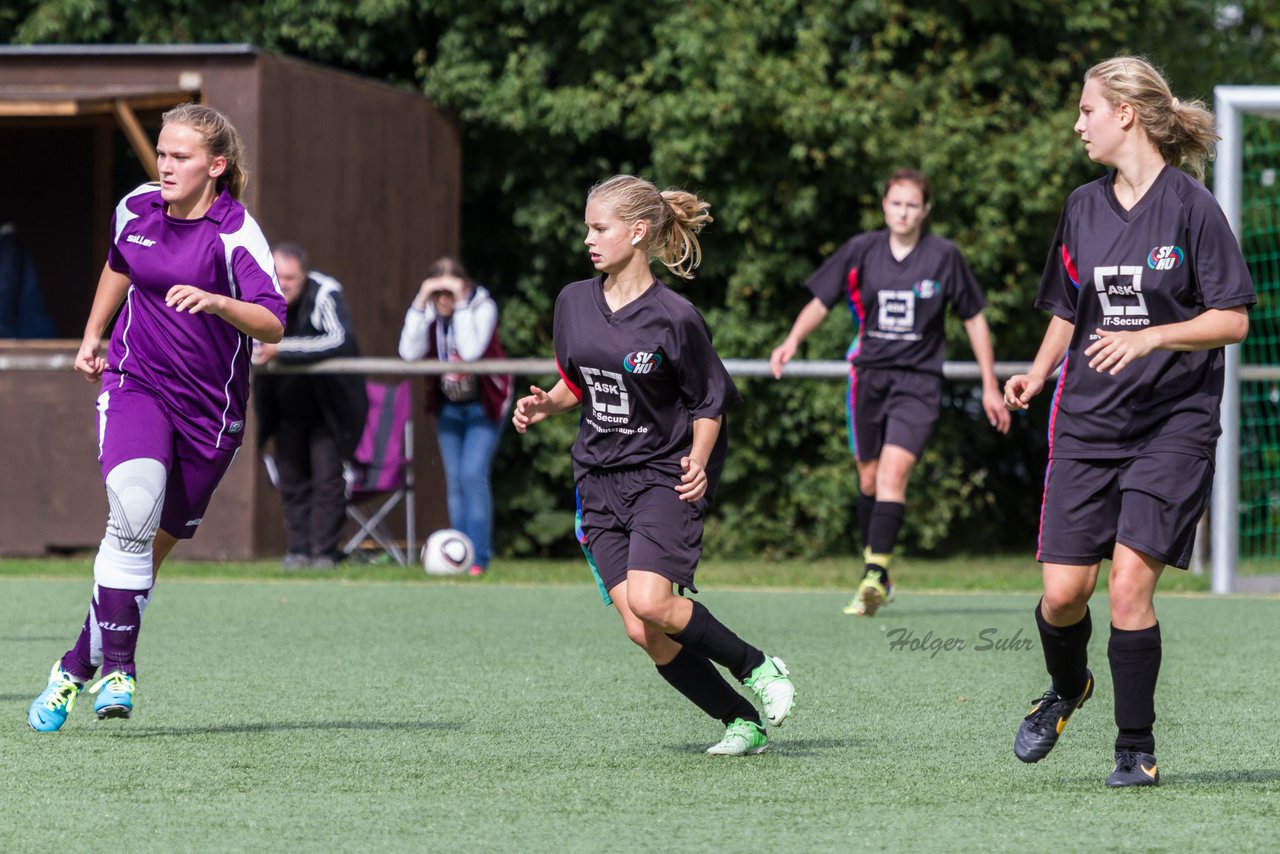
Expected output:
(641, 362)
(1165, 258)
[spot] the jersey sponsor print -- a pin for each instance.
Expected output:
(643, 374)
(1167, 260)
(899, 306)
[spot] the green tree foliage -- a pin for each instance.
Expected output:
(786, 116)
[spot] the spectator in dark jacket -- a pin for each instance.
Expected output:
(316, 419)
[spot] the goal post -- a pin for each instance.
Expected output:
(1231, 105)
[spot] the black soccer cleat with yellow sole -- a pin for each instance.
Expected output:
(1046, 720)
(1134, 768)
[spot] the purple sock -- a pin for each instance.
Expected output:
(82, 660)
(119, 615)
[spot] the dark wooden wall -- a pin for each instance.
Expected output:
(365, 176)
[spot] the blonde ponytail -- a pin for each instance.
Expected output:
(221, 139)
(674, 216)
(1183, 132)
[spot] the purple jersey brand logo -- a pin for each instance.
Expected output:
(1165, 258)
(140, 240)
(641, 362)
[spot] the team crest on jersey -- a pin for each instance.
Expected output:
(641, 362)
(926, 288)
(1165, 258)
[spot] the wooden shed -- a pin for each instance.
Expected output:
(364, 175)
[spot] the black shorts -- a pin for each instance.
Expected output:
(1150, 503)
(634, 519)
(891, 407)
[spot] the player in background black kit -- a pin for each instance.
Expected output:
(1146, 285)
(898, 283)
(638, 357)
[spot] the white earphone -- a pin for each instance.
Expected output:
(635, 241)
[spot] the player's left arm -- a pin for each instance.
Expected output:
(693, 483)
(1214, 328)
(992, 398)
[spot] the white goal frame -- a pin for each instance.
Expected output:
(1230, 104)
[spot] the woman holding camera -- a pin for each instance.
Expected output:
(455, 319)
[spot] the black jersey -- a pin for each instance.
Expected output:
(1165, 261)
(899, 307)
(643, 374)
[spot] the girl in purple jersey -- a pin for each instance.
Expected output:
(898, 283)
(191, 275)
(1146, 285)
(649, 447)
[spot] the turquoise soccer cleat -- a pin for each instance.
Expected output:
(115, 695)
(49, 711)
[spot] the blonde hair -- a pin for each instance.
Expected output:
(1182, 131)
(221, 139)
(675, 217)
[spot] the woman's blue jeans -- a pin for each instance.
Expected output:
(468, 440)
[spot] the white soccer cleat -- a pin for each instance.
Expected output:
(772, 685)
(741, 738)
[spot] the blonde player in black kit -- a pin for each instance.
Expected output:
(638, 357)
(899, 282)
(1146, 285)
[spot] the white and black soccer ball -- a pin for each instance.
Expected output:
(448, 552)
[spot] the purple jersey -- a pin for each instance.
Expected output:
(1165, 261)
(899, 307)
(196, 365)
(643, 374)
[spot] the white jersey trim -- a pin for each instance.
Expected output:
(250, 237)
(123, 215)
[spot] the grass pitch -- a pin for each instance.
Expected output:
(318, 714)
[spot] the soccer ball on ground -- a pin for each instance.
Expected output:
(448, 552)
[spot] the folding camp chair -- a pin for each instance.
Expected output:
(382, 476)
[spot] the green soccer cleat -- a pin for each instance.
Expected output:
(115, 695)
(772, 685)
(873, 594)
(49, 711)
(741, 738)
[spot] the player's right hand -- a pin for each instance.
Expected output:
(1019, 390)
(88, 363)
(530, 409)
(780, 356)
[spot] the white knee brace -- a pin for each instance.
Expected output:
(135, 492)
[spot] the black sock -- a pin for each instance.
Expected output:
(708, 636)
(1135, 667)
(1066, 653)
(697, 679)
(882, 534)
(866, 508)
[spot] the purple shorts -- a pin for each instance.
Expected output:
(892, 407)
(1150, 503)
(634, 519)
(132, 425)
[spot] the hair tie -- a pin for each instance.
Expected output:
(1175, 103)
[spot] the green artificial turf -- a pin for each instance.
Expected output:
(992, 574)
(322, 715)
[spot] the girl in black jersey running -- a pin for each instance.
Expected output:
(1146, 285)
(638, 358)
(899, 283)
